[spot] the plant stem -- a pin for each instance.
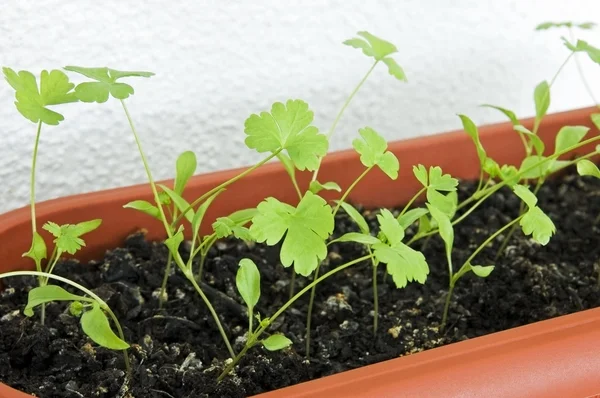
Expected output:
(163, 286)
(292, 284)
(311, 303)
(375, 300)
(227, 183)
(265, 325)
(411, 201)
(191, 278)
(341, 112)
(32, 182)
(350, 188)
(447, 306)
(76, 285)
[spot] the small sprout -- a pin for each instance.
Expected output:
(68, 236)
(379, 49)
(276, 342)
(373, 152)
(105, 84)
(482, 271)
(535, 222)
(307, 227)
(403, 262)
(287, 127)
(32, 102)
(76, 308)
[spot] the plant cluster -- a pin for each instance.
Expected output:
(304, 230)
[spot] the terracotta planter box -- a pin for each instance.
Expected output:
(559, 357)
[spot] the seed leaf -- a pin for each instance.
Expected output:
(596, 120)
(408, 218)
(185, 167)
(289, 127)
(569, 136)
(32, 103)
(180, 202)
(507, 112)
(68, 236)
(536, 141)
(445, 229)
(174, 242)
(587, 168)
(247, 281)
(373, 151)
(95, 325)
(48, 293)
(481, 270)
(276, 342)
(307, 227)
(105, 83)
(356, 217)
(145, 207)
(357, 237)
(472, 131)
(37, 251)
(316, 187)
(541, 97)
(542, 167)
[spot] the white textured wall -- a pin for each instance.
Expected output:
(218, 61)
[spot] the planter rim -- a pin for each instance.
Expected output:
(497, 364)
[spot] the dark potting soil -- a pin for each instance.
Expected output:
(177, 352)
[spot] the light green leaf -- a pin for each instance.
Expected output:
(526, 195)
(247, 281)
(390, 227)
(491, 167)
(507, 112)
(68, 236)
(408, 218)
(48, 293)
(106, 83)
(509, 173)
(445, 203)
(394, 69)
(145, 207)
(535, 221)
(225, 226)
(441, 182)
(180, 202)
(32, 102)
(596, 120)
(95, 325)
(373, 46)
(445, 229)
(472, 131)
(569, 136)
(357, 237)
(356, 217)
(174, 242)
(372, 149)
(307, 227)
(185, 167)
(288, 165)
(541, 97)
(481, 270)
(583, 46)
(316, 187)
(289, 127)
(37, 251)
(276, 342)
(424, 225)
(538, 166)
(536, 141)
(403, 262)
(587, 168)
(421, 175)
(199, 216)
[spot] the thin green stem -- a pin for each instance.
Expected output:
(341, 112)
(191, 278)
(582, 75)
(311, 303)
(375, 300)
(491, 238)
(32, 181)
(76, 285)
(163, 287)
(350, 188)
(227, 183)
(292, 284)
(537, 122)
(265, 325)
(446, 307)
(411, 201)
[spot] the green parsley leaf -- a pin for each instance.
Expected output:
(535, 222)
(394, 69)
(145, 207)
(446, 231)
(32, 103)
(48, 293)
(596, 120)
(372, 46)
(307, 227)
(316, 187)
(225, 226)
(68, 236)
(481, 270)
(587, 168)
(408, 218)
(185, 167)
(356, 217)
(95, 324)
(106, 83)
(403, 263)
(569, 136)
(247, 281)
(289, 127)
(583, 46)
(356, 237)
(373, 151)
(276, 342)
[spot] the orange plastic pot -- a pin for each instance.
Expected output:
(554, 358)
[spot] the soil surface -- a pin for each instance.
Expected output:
(177, 351)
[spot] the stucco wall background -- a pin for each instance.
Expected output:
(216, 62)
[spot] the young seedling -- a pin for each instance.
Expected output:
(91, 308)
